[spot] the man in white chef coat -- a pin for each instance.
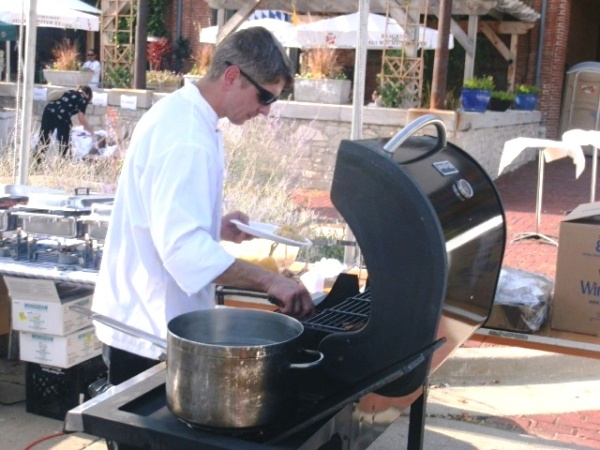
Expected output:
(93, 64)
(162, 255)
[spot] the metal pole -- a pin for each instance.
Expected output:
(7, 63)
(28, 74)
(594, 173)
(360, 64)
(440, 62)
(358, 98)
(540, 49)
(141, 37)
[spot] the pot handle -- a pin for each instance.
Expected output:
(309, 364)
(123, 328)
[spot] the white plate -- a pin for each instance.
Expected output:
(266, 231)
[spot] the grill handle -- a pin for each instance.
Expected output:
(429, 119)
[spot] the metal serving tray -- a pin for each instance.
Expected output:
(51, 224)
(65, 202)
(97, 221)
(102, 210)
(24, 190)
(8, 221)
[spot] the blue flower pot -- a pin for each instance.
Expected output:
(526, 102)
(475, 100)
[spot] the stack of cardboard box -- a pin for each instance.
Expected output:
(576, 302)
(59, 345)
(49, 332)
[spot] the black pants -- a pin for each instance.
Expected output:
(63, 134)
(122, 366)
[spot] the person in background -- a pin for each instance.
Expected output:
(93, 64)
(375, 99)
(162, 256)
(57, 116)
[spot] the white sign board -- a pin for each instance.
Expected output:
(40, 94)
(128, 102)
(100, 99)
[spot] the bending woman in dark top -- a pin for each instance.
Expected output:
(57, 116)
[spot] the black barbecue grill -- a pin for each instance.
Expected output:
(431, 228)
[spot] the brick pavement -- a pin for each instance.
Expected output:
(562, 192)
(580, 428)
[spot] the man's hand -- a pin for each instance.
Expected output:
(292, 298)
(230, 232)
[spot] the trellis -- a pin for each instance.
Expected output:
(403, 69)
(117, 41)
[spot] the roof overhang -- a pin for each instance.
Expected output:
(518, 9)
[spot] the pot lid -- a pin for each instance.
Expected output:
(64, 201)
(23, 190)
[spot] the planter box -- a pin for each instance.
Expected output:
(144, 97)
(475, 100)
(68, 78)
(163, 87)
(499, 105)
(322, 91)
(526, 102)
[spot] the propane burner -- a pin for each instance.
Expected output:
(61, 251)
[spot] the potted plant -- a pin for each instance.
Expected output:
(163, 80)
(390, 95)
(476, 93)
(501, 100)
(66, 69)
(322, 79)
(201, 62)
(526, 97)
(156, 52)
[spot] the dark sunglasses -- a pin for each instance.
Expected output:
(265, 97)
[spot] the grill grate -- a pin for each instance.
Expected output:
(350, 315)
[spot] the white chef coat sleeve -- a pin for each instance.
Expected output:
(182, 193)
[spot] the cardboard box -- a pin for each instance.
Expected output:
(576, 302)
(59, 351)
(42, 306)
(4, 309)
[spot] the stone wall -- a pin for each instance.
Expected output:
(481, 135)
(324, 126)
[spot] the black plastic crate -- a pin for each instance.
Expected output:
(52, 391)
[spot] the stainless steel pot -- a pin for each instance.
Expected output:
(228, 367)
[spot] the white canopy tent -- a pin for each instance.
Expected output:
(45, 13)
(342, 32)
(281, 29)
(50, 13)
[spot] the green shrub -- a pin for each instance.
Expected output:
(527, 89)
(484, 82)
(503, 95)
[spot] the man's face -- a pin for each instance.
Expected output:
(248, 99)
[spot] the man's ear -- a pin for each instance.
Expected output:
(231, 74)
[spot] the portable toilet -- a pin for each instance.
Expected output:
(581, 98)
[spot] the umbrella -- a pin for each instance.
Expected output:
(342, 32)
(77, 5)
(49, 14)
(282, 30)
(8, 32)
